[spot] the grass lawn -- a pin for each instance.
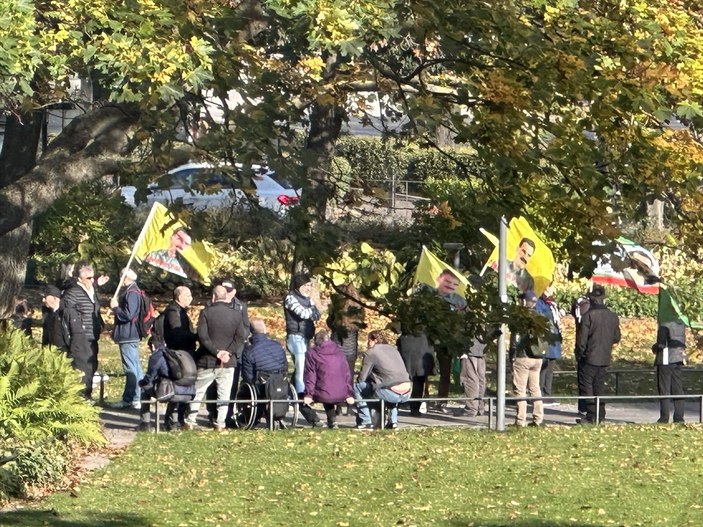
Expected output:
(627, 476)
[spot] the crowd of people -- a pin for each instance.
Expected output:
(229, 349)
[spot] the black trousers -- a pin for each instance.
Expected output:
(669, 382)
(418, 392)
(591, 381)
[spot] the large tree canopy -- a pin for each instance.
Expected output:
(567, 105)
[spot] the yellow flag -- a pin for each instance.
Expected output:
(530, 262)
(166, 243)
(430, 267)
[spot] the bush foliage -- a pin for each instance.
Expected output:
(41, 411)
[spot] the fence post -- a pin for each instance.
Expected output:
(382, 415)
(490, 413)
(617, 383)
(156, 417)
(598, 409)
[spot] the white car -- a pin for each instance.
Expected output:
(204, 186)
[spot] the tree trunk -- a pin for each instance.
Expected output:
(325, 125)
(90, 147)
(14, 247)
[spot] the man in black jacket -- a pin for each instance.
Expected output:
(599, 332)
(222, 335)
(54, 331)
(82, 297)
(178, 328)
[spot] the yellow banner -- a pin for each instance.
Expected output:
(166, 243)
(530, 262)
(430, 267)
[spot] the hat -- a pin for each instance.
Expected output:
(299, 281)
(228, 284)
(598, 292)
(52, 290)
(529, 296)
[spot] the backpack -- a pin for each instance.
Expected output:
(181, 367)
(276, 389)
(145, 315)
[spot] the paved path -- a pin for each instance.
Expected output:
(120, 424)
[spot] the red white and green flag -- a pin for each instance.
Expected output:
(629, 265)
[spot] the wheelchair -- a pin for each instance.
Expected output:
(249, 414)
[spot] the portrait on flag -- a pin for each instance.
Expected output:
(530, 263)
(165, 243)
(429, 269)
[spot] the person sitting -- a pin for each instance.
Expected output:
(327, 378)
(262, 358)
(383, 376)
(157, 370)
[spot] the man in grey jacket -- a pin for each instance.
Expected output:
(383, 376)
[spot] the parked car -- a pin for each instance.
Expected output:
(204, 186)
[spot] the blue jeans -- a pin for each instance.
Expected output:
(365, 390)
(297, 347)
(132, 368)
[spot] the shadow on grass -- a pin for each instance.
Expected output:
(42, 518)
(463, 522)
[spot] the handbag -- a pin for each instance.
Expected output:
(165, 390)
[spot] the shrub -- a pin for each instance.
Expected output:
(41, 410)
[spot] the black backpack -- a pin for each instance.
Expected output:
(181, 367)
(145, 315)
(276, 389)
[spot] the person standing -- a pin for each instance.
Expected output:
(670, 355)
(527, 363)
(579, 307)
(419, 358)
(126, 311)
(179, 334)
(473, 373)
(55, 330)
(82, 297)
(301, 313)
(548, 308)
(599, 332)
(222, 336)
(346, 318)
(448, 347)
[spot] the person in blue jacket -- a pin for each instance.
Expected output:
(548, 308)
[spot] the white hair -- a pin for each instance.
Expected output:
(129, 273)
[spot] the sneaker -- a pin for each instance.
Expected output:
(391, 426)
(364, 426)
(137, 405)
(533, 424)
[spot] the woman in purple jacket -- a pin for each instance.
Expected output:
(327, 377)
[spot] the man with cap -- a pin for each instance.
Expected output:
(125, 333)
(301, 313)
(54, 332)
(599, 332)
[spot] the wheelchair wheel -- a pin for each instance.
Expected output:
(291, 418)
(245, 411)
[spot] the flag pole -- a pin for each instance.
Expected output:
(503, 297)
(139, 241)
